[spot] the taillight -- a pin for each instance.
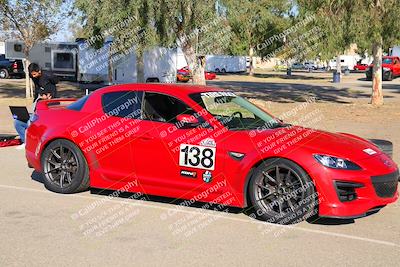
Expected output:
(34, 117)
(15, 65)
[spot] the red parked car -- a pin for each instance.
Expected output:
(183, 75)
(205, 144)
(210, 75)
(390, 68)
(360, 67)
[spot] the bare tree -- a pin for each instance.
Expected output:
(31, 21)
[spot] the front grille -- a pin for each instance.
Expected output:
(385, 185)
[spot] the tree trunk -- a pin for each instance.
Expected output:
(196, 65)
(251, 67)
(198, 75)
(140, 67)
(28, 82)
(338, 64)
(377, 94)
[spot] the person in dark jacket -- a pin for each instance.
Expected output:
(44, 81)
(21, 126)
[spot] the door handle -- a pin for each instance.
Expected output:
(146, 137)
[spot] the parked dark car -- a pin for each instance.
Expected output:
(11, 68)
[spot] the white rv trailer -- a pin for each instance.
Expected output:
(395, 51)
(161, 64)
(2, 48)
(346, 62)
(93, 64)
(218, 63)
(124, 68)
(57, 57)
(71, 60)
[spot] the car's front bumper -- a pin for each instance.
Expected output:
(377, 189)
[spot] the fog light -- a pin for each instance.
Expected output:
(346, 190)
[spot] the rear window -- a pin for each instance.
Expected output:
(125, 104)
(78, 104)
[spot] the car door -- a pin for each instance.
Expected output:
(172, 159)
(110, 133)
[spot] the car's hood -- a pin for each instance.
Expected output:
(321, 142)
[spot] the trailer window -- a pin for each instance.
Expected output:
(17, 48)
(64, 61)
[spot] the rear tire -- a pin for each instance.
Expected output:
(4, 74)
(282, 192)
(64, 167)
(390, 76)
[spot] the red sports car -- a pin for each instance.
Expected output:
(205, 144)
(183, 75)
(361, 67)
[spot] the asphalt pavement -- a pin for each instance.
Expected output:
(41, 228)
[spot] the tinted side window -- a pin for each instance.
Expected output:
(2, 57)
(126, 104)
(164, 108)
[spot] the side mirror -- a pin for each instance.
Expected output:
(187, 120)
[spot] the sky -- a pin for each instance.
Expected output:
(64, 34)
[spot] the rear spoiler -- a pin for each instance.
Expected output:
(45, 104)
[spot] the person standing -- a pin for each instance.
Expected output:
(44, 81)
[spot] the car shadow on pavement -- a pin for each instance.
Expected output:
(291, 92)
(331, 221)
(37, 176)
(167, 200)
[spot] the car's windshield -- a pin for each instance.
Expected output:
(234, 112)
(387, 61)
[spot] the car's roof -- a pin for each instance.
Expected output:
(175, 89)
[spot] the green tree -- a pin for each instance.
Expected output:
(253, 22)
(168, 23)
(31, 21)
(372, 24)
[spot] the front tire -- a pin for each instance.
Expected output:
(4, 74)
(282, 192)
(64, 167)
(389, 76)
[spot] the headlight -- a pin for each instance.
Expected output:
(386, 69)
(336, 163)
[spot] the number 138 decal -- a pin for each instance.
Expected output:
(200, 157)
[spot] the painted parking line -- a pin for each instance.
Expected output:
(210, 213)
